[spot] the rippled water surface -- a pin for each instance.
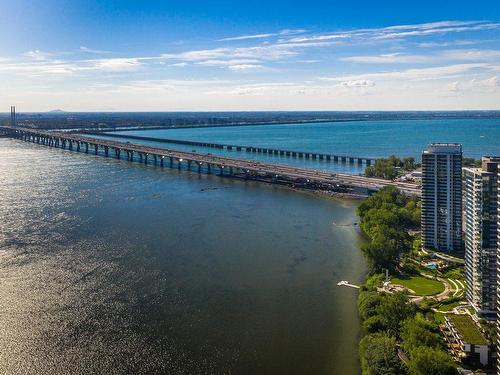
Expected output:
(110, 267)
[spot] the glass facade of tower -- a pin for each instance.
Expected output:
(480, 227)
(442, 197)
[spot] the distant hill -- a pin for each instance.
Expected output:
(57, 111)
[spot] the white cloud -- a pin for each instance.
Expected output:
(358, 83)
(402, 31)
(90, 50)
(447, 55)
(245, 37)
(426, 31)
(292, 31)
(487, 85)
(415, 74)
(180, 64)
(227, 62)
(38, 55)
(115, 65)
(391, 58)
(245, 67)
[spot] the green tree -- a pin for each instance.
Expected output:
(394, 310)
(429, 361)
(374, 324)
(417, 332)
(409, 163)
(378, 354)
(384, 251)
(368, 303)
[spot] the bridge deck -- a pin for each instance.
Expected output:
(308, 178)
(255, 149)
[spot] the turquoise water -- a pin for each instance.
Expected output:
(359, 138)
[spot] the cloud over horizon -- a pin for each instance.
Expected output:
(426, 60)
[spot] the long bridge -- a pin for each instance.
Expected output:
(261, 150)
(225, 166)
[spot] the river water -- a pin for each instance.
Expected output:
(358, 138)
(111, 267)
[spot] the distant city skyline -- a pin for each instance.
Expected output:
(189, 56)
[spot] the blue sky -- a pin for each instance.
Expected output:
(261, 55)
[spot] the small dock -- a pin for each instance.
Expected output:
(347, 283)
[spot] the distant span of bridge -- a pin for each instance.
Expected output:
(261, 150)
(304, 178)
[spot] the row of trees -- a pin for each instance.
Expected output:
(397, 329)
(399, 339)
(391, 167)
(386, 217)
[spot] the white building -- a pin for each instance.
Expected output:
(442, 197)
(480, 226)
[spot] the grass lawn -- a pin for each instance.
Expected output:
(448, 306)
(439, 318)
(468, 329)
(422, 286)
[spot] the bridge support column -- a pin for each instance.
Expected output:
(161, 161)
(96, 149)
(199, 167)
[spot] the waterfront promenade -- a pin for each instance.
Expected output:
(304, 178)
